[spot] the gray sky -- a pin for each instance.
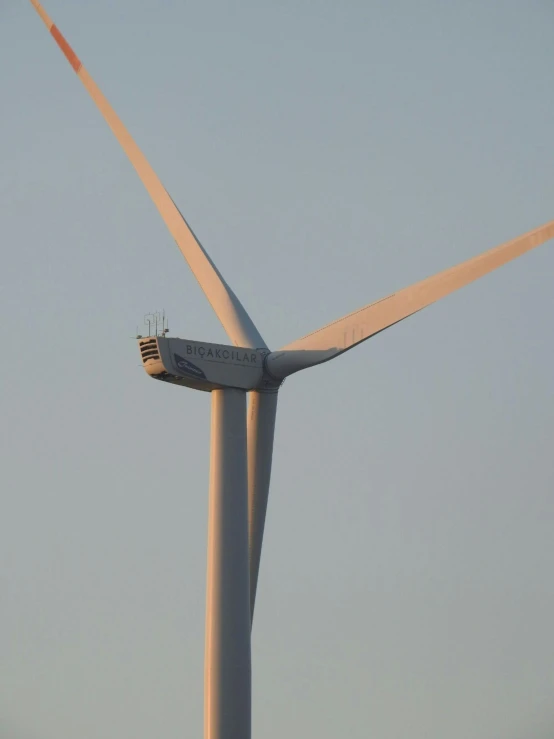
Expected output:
(326, 154)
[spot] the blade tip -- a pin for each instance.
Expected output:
(43, 14)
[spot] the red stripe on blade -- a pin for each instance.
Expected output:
(71, 56)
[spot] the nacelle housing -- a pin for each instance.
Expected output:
(203, 366)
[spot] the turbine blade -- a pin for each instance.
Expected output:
(260, 432)
(341, 335)
(236, 321)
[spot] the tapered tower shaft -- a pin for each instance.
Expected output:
(227, 669)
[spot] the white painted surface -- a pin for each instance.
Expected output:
(227, 306)
(344, 333)
(227, 677)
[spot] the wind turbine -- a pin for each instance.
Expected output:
(241, 442)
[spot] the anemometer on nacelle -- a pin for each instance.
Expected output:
(199, 365)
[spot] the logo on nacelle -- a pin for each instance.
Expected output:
(188, 368)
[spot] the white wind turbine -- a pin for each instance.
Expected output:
(241, 442)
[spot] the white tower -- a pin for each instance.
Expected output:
(241, 443)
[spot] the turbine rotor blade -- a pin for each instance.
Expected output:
(345, 333)
(236, 321)
(260, 433)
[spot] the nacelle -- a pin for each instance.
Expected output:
(204, 366)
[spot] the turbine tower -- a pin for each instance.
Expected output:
(241, 442)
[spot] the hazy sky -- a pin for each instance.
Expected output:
(326, 154)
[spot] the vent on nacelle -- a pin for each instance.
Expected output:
(149, 350)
